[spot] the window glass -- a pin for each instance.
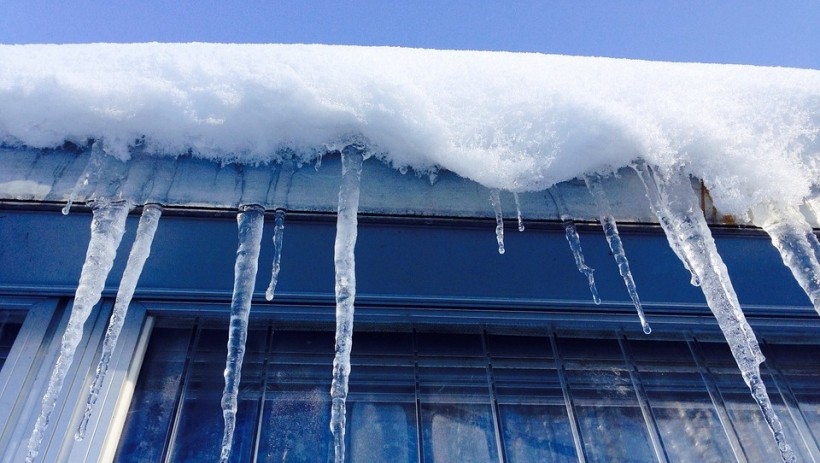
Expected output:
(456, 396)
(10, 325)
(531, 405)
(687, 420)
(609, 417)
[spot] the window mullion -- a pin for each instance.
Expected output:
(717, 399)
(643, 402)
(262, 393)
(180, 399)
(499, 437)
(792, 405)
(568, 402)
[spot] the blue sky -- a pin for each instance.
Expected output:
(779, 33)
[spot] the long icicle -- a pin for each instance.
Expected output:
(345, 263)
(250, 220)
(495, 199)
(133, 269)
(676, 202)
(794, 239)
(574, 241)
(278, 236)
(107, 228)
(615, 245)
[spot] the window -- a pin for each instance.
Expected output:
(10, 324)
(467, 395)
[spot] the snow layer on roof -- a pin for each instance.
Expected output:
(514, 121)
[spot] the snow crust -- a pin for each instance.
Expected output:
(513, 121)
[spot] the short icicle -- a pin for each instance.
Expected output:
(518, 212)
(250, 220)
(133, 269)
(495, 199)
(344, 259)
(107, 228)
(615, 245)
(278, 235)
(675, 201)
(92, 169)
(797, 244)
(574, 241)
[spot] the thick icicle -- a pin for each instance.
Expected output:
(107, 227)
(679, 210)
(794, 239)
(250, 220)
(278, 235)
(133, 269)
(518, 212)
(615, 245)
(495, 199)
(574, 242)
(673, 239)
(345, 263)
(91, 169)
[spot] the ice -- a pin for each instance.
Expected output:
(91, 169)
(610, 227)
(250, 220)
(654, 204)
(107, 228)
(495, 199)
(797, 244)
(278, 234)
(518, 212)
(345, 263)
(672, 193)
(574, 241)
(133, 269)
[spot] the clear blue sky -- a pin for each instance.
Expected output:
(773, 32)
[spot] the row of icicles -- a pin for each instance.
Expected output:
(671, 199)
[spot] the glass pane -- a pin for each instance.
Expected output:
(456, 411)
(799, 365)
(687, 420)
(199, 429)
(609, 418)
(10, 324)
(296, 416)
(381, 404)
(531, 406)
(152, 407)
(752, 431)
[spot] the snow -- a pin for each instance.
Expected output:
(512, 121)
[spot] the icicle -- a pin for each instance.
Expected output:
(278, 234)
(574, 242)
(250, 220)
(795, 241)
(679, 210)
(495, 199)
(344, 258)
(133, 269)
(615, 244)
(654, 205)
(107, 227)
(518, 212)
(91, 169)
